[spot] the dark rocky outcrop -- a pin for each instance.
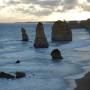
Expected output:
(10, 76)
(6, 75)
(24, 35)
(40, 39)
(56, 54)
(18, 61)
(20, 75)
(61, 31)
(83, 83)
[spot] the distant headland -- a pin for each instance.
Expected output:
(72, 24)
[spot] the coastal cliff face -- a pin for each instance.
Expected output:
(61, 31)
(40, 38)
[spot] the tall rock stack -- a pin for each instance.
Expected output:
(61, 31)
(40, 39)
(24, 35)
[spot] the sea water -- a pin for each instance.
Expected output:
(41, 72)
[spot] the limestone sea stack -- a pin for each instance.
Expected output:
(83, 83)
(61, 31)
(24, 35)
(40, 38)
(56, 54)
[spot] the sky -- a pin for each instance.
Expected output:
(43, 10)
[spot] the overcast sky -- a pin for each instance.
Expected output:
(43, 10)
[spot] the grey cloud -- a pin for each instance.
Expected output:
(85, 7)
(43, 3)
(1, 7)
(88, 1)
(31, 10)
(13, 2)
(47, 6)
(69, 4)
(45, 12)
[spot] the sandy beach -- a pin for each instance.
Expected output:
(83, 83)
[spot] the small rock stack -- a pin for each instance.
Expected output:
(56, 54)
(24, 35)
(40, 39)
(61, 31)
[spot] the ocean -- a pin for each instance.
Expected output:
(41, 72)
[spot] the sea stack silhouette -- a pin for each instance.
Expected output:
(24, 35)
(61, 31)
(40, 38)
(56, 54)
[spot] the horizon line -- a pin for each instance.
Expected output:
(43, 21)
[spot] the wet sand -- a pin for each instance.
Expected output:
(83, 83)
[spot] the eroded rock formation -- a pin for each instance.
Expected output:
(61, 31)
(24, 35)
(40, 38)
(56, 54)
